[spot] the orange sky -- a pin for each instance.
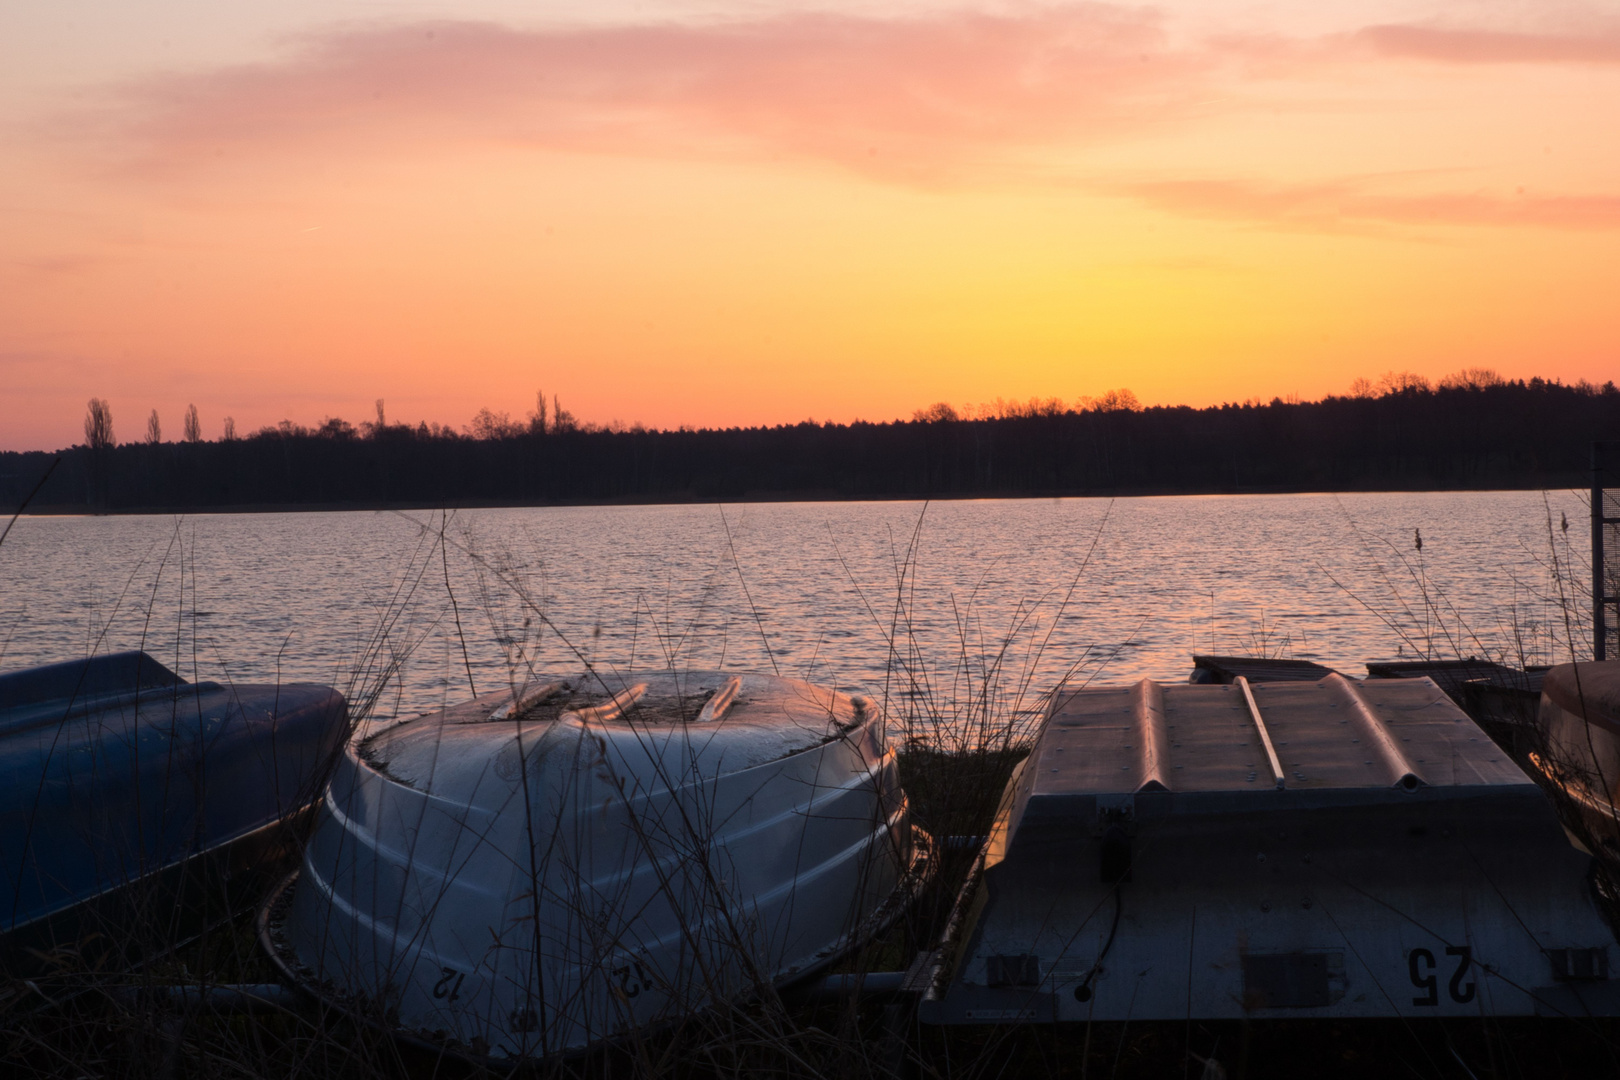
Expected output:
(714, 216)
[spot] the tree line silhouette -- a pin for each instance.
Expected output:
(1473, 430)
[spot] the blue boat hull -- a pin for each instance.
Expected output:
(136, 807)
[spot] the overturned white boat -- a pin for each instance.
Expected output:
(529, 873)
(1292, 849)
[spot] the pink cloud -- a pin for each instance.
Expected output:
(926, 99)
(1351, 205)
(1461, 46)
(892, 96)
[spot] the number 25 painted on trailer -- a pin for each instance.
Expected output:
(1420, 965)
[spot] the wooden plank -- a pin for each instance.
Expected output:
(1226, 669)
(1453, 676)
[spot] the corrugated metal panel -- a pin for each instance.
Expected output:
(1151, 863)
(1333, 733)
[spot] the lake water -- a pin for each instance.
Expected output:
(928, 603)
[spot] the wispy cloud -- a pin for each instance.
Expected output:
(911, 96)
(1465, 46)
(919, 100)
(56, 265)
(1353, 205)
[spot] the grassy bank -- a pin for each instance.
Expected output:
(127, 1026)
(961, 725)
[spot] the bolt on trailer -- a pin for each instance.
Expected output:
(1302, 849)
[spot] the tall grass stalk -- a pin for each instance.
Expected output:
(962, 715)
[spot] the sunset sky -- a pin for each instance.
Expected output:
(760, 212)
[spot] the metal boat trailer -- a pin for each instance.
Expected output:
(1324, 849)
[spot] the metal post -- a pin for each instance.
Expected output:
(1599, 562)
(1599, 631)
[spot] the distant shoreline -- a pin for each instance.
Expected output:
(1503, 437)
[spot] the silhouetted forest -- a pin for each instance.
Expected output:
(1481, 433)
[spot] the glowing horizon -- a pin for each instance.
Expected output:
(761, 216)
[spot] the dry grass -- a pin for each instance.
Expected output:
(961, 721)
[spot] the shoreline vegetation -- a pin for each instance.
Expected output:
(1472, 431)
(957, 716)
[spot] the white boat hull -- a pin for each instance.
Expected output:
(527, 889)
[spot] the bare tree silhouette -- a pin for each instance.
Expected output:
(98, 425)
